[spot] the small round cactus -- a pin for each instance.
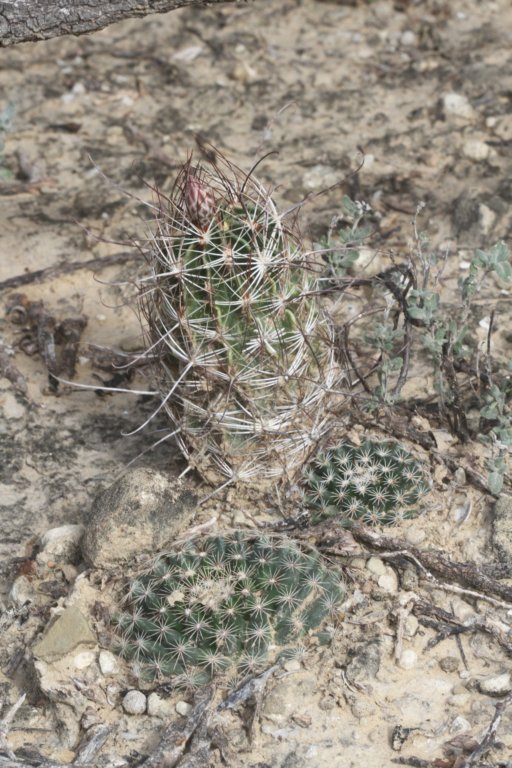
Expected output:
(243, 354)
(378, 483)
(224, 604)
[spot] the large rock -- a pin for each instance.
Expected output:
(70, 630)
(141, 512)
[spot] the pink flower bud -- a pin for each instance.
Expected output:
(199, 202)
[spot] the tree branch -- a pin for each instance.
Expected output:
(30, 20)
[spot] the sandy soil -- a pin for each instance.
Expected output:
(318, 84)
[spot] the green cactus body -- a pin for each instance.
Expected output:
(377, 483)
(224, 604)
(245, 355)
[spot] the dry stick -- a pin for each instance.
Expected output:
(92, 744)
(448, 626)
(415, 762)
(177, 735)
(39, 275)
(5, 724)
(490, 735)
(466, 573)
(84, 758)
(34, 20)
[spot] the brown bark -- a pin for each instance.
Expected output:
(29, 20)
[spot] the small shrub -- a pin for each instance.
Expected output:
(416, 328)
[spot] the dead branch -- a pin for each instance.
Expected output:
(434, 561)
(40, 275)
(5, 725)
(33, 20)
(177, 735)
(448, 626)
(489, 738)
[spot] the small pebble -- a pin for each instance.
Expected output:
(449, 663)
(503, 126)
(411, 625)
(376, 566)
(389, 581)
(408, 38)
(496, 686)
(460, 725)
(462, 610)
(108, 663)
(12, 409)
(61, 544)
(475, 149)
(457, 105)
(460, 475)
(409, 579)
(408, 659)
(134, 703)
(183, 708)
(326, 704)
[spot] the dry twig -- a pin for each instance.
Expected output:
(177, 735)
(434, 562)
(489, 738)
(39, 275)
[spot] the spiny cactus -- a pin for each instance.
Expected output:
(225, 603)
(244, 352)
(378, 483)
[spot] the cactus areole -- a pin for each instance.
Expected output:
(244, 352)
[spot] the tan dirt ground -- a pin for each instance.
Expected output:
(318, 84)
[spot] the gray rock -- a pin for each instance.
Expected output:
(134, 703)
(496, 686)
(69, 631)
(62, 544)
(449, 663)
(144, 511)
(456, 105)
(183, 708)
(502, 530)
(376, 566)
(108, 663)
(365, 663)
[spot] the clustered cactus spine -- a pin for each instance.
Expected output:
(378, 483)
(225, 603)
(245, 353)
